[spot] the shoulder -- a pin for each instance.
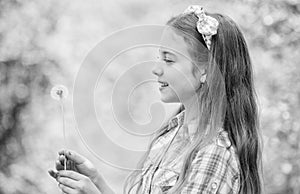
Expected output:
(219, 155)
(219, 151)
(215, 168)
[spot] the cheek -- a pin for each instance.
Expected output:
(181, 78)
(184, 87)
(192, 83)
(186, 80)
(188, 90)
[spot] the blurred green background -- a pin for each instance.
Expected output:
(42, 43)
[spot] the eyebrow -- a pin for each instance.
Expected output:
(166, 52)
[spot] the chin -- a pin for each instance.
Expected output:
(169, 99)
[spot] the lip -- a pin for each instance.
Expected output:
(162, 82)
(159, 81)
(162, 88)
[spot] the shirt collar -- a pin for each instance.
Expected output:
(222, 138)
(177, 120)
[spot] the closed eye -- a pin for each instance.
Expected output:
(168, 61)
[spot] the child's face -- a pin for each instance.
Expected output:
(175, 69)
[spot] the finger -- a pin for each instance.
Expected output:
(63, 162)
(69, 164)
(68, 182)
(62, 151)
(66, 189)
(53, 174)
(71, 155)
(61, 158)
(71, 174)
(58, 165)
(73, 166)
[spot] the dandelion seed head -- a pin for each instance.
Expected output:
(59, 92)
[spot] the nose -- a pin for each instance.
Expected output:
(157, 70)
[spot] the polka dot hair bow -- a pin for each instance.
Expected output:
(206, 25)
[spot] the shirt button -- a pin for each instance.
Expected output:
(214, 185)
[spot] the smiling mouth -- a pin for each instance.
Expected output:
(163, 84)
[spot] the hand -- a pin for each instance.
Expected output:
(71, 182)
(81, 165)
(77, 163)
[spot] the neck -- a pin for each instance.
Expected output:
(191, 113)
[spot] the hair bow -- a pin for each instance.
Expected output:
(206, 25)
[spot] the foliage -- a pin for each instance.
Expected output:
(39, 41)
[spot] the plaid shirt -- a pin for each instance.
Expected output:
(214, 169)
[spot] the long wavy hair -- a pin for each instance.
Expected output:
(227, 99)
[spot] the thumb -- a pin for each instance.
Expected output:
(71, 155)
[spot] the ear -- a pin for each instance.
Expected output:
(203, 77)
(201, 74)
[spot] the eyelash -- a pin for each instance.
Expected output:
(168, 61)
(165, 60)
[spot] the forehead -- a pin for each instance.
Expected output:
(173, 43)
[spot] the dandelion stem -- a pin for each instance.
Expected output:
(64, 131)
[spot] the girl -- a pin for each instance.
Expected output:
(211, 144)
